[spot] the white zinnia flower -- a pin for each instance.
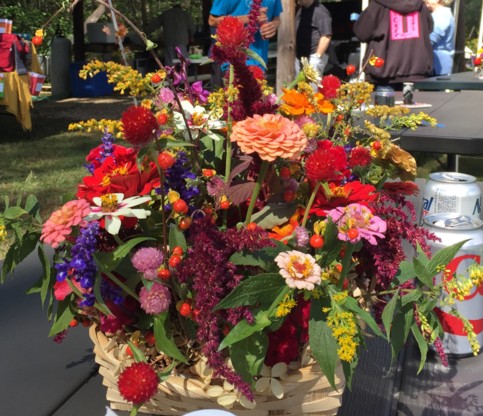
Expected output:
(113, 206)
(300, 270)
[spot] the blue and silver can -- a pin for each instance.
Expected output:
(452, 192)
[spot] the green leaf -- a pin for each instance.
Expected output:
(243, 329)
(422, 344)
(322, 343)
(443, 257)
(164, 338)
(411, 297)
(262, 288)
(48, 279)
(248, 355)
(332, 244)
(272, 215)
(400, 328)
(256, 57)
(352, 305)
(422, 274)
(139, 356)
(349, 369)
(176, 237)
(170, 143)
(388, 313)
(212, 152)
(63, 317)
(14, 213)
(100, 304)
(126, 248)
(263, 258)
(405, 273)
(150, 45)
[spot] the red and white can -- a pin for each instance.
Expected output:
(452, 192)
(451, 229)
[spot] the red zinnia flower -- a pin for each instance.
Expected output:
(231, 33)
(330, 85)
(139, 125)
(138, 383)
(118, 173)
(327, 163)
(349, 193)
(360, 156)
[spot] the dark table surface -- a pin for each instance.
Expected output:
(458, 81)
(460, 125)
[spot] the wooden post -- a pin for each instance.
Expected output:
(459, 56)
(286, 46)
(78, 22)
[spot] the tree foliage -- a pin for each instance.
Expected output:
(30, 15)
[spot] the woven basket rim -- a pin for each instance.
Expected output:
(308, 393)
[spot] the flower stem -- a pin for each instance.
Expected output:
(256, 190)
(122, 285)
(310, 203)
(345, 264)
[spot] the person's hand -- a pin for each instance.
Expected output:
(262, 17)
(268, 29)
(318, 63)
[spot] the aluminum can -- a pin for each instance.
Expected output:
(408, 92)
(451, 192)
(451, 229)
(384, 95)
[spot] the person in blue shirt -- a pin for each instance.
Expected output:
(269, 20)
(443, 36)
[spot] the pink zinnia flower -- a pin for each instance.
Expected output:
(356, 222)
(59, 225)
(155, 300)
(300, 270)
(270, 135)
(148, 260)
(138, 383)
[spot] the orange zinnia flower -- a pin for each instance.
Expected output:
(295, 103)
(270, 135)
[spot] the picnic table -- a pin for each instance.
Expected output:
(459, 130)
(458, 81)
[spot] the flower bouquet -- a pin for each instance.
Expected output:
(237, 248)
(477, 60)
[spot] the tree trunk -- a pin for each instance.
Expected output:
(286, 45)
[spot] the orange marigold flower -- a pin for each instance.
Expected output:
(324, 106)
(270, 135)
(295, 103)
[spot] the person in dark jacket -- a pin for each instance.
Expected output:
(398, 32)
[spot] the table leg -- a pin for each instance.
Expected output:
(452, 162)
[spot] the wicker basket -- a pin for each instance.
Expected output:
(307, 391)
